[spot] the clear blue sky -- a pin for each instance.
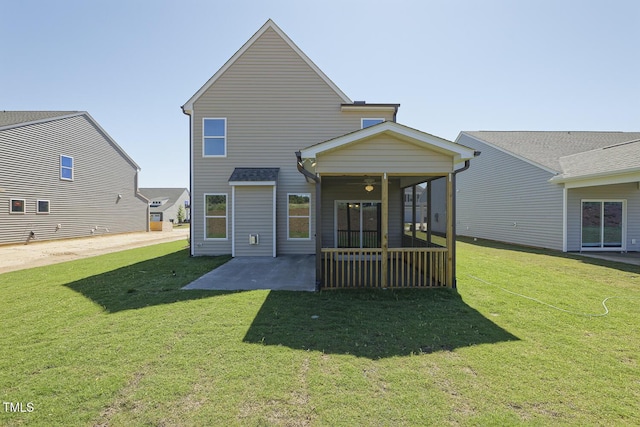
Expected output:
(453, 65)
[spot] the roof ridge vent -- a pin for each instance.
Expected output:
(359, 102)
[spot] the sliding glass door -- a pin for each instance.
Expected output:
(602, 224)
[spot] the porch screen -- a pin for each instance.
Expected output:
(358, 224)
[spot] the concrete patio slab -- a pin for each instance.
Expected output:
(286, 272)
(632, 258)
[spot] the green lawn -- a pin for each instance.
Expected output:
(112, 341)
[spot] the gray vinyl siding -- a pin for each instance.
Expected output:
(253, 214)
(275, 104)
(629, 192)
(30, 170)
(335, 189)
(507, 199)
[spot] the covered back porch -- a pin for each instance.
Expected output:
(362, 181)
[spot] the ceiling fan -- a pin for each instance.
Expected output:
(367, 182)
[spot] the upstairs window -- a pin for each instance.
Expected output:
(370, 122)
(66, 168)
(214, 143)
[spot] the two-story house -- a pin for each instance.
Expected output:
(283, 162)
(63, 176)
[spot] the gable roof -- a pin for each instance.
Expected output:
(423, 139)
(14, 119)
(188, 106)
(546, 148)
(171, 194)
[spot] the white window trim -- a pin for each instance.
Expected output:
(224, 138)
(335, 218)
(382, 119)
(226, 217)
(73, 167)
(38, 211)
(298, 216)
(623, 247)
(24, 207)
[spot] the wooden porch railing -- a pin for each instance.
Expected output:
(406, 268)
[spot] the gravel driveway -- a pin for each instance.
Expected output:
(36, 254)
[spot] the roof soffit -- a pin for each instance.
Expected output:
(188, 106)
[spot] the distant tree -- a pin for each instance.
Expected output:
(181, 214)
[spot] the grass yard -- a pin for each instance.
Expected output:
(112, 341)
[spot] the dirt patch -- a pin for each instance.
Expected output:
(37, 254)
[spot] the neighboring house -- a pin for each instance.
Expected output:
(570, 191)
(283, 162)
(164, 204)
(63, 176)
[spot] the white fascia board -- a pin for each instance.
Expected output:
(524, 159)
(252, 183)
(422, 139)
(603, 178)
(188, 106)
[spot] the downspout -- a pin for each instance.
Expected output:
(311, 176)
(191, 242)
(467, 163)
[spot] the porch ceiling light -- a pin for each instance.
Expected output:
(369, 188)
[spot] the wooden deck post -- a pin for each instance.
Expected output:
(450, 228)
(385, 230)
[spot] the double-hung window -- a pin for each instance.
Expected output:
(66, 168)
(215, 216)
(214, 137)
(299, 212)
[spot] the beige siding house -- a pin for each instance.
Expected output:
(284, 163)
(63, 176)
(569, 191)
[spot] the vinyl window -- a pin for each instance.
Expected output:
(214, 137)
(42, 206)
(17, 206)
(215, 216)
(299, 216)
(366, 122)
(66, 168)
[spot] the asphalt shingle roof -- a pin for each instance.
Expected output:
(9, 118)
(171, 194)
(611, 159)
(254, 174)
(546, 148)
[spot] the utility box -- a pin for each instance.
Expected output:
(254, 239)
